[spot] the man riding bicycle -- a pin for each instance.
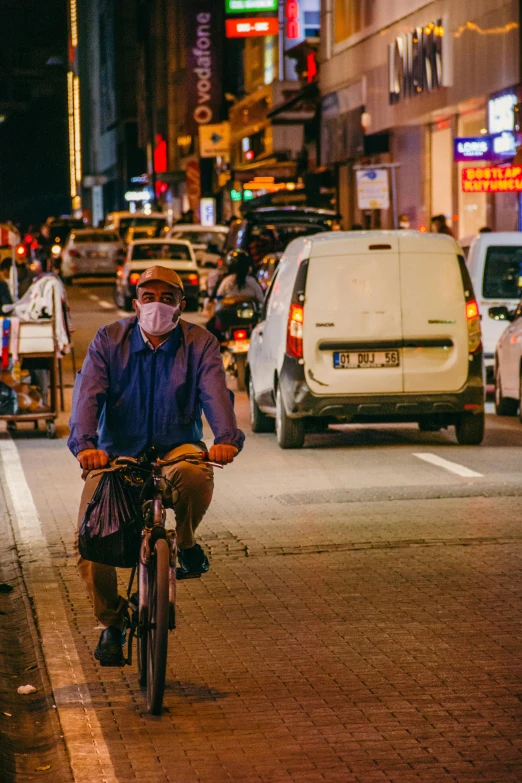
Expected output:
(145, 382)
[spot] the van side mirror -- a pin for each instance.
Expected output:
(501, 313)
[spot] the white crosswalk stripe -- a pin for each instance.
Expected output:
(446, 464)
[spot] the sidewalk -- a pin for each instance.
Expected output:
(388, 657)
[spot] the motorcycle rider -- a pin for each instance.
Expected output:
(239, 282)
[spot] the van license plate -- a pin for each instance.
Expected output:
(362, 360)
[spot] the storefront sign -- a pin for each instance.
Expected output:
(207, 209)
(240, 6)
(373, 191)
(492, 179)
(248, 28)
(487, 147)
(500, 113)
(293, 19)
(193, 174)
(415, 62)
(204, 56)
(214, 140)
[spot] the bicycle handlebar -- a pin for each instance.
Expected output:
(190, 456)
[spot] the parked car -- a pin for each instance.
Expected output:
(364, 327)
(91, 252)
(60, 228)
(122, 221)
(269, 230)
(142, 254)
(495, 266)
(267, 269)
(508, 360)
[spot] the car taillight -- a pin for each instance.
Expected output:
(133, 279)
(473, 318)
(192, 279)
(294, 335)
(74, 253)
(240, 334)
(20, 251)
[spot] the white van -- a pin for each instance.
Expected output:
(495, 267)
(122, 222)
(368, 327)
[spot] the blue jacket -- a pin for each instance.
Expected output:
(128, 397)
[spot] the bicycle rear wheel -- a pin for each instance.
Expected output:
(157, 626)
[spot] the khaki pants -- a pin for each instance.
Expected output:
(194, 483)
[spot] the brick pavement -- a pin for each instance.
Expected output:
(395, 662)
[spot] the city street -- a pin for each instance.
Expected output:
(360, 620)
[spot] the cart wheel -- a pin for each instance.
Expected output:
(36, 425)
(51, 430)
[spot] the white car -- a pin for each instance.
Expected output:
(207, 241)
(495, 268)
(91, 252)
(364, 327)
(508, 361)
(144, 253)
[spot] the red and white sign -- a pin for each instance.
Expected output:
(492, 179)
(247, 28)
(292, 16)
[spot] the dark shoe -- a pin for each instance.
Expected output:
(192, 563)
(109, 651)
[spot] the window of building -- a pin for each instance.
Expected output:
(347, 19)
(312, 20)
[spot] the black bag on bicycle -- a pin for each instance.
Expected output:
(110, 532)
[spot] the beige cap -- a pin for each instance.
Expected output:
(161, 274)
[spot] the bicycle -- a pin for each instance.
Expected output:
(153, 607)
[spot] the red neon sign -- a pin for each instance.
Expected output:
(293, 26)
(492, 179)
(248, 28)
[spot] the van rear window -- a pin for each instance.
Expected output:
(503, 273)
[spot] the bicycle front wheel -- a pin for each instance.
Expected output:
(157, 626)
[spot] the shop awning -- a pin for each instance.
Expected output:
(309, 93)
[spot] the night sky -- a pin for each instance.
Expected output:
(33, 100)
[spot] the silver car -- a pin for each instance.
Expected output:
(92, 252)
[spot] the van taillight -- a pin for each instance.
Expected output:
(473, 318)
(294, 335)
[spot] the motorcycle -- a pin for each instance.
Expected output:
(235, 320)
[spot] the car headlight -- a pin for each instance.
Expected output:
(56, 250)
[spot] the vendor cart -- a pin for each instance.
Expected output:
(37, 341)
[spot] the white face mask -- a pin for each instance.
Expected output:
(157, 318)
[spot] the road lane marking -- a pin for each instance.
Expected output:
(94, 298)
(81, 729)
(453, 467)
(106, 305)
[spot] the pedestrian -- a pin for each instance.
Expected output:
(440, 225)
(145, 383)
(404, 221)
(5, 295)
(43, 252)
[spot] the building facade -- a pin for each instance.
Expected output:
(401, 84)
(103, 127)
